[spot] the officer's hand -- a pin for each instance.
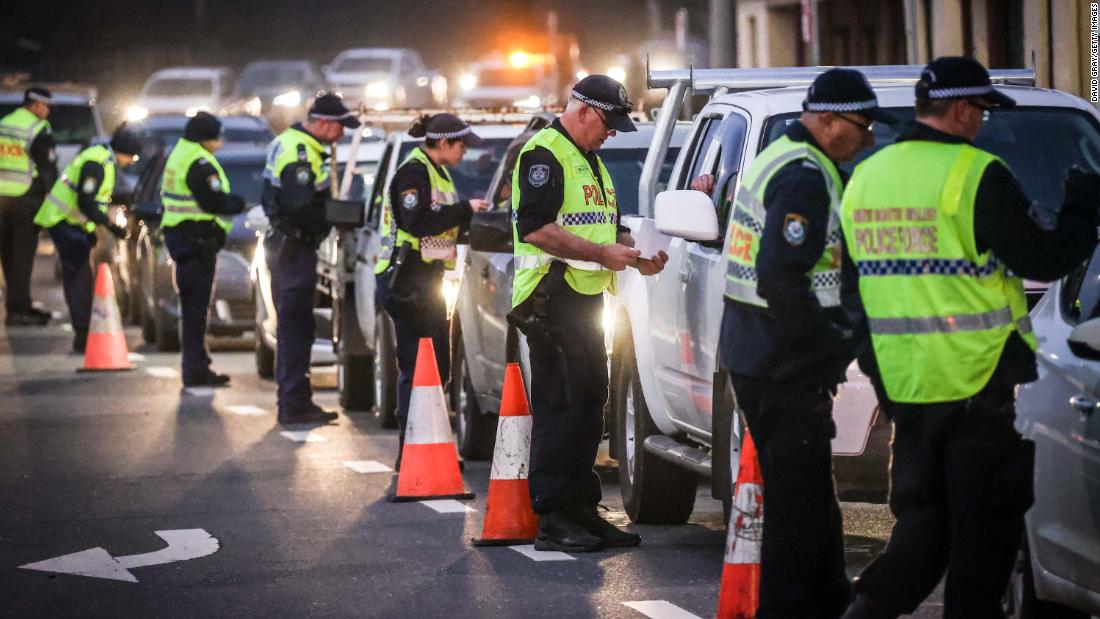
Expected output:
(117, 230)
(617, 256)
(704, 183)
(235, 204)
(479, 205)
(653, 265)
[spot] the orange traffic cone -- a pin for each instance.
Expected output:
(509, 519)
(740, 592)
(106, 346)
(429, 460)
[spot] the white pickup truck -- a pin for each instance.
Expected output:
(671, 419)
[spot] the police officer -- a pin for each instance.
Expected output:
(198, 210)
(940, 284)
(785, 341)
(419, 243)
(28, 169)
(568, 246)
(71, 211)
(296, 183)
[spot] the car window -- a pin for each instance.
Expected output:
(363, 65)
(473, 174)
(178, 87)
(704, 150)
(625, 167)
(374, 209)
(1080, 298)
(246, 179)
(147, 190)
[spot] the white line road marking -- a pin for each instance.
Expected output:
(367, 466)
(67, 328)
(541, 555)
(448, 506)
(136, 356)
(183, 544)
(660, 609)
(304, 436)
(202, 392)
(246, 409)
(161, 371)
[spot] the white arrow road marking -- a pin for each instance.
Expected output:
(183, 544)
(448, 506)
(541, 555)
(304, 436)
(160, 371)
(246, 409)
(367, 466)
(660, 609)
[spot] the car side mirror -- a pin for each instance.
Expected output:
(687, 214)
(256, 219)
(148, 212)
(491, 231)
(1084, 340)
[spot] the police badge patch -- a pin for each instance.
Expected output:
(409, 198)
(794, 229)
(538, 175)
(89, 185)
(214, 183)
(302, 177)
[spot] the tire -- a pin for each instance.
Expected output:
(265, 355)
(476, 431)
(654, 491)
(355, 382)
(167, 331)
(136, 311)
(385, 371)
(1020, 601)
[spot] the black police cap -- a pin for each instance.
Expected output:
(958, 77)
(845, 90)
(37, 93)
(608, 95)
(447, 126)
(329, 106)
(125, 141)
(202, 126)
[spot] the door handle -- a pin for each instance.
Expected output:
(1085, 404)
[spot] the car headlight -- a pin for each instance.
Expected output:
(136, 113)
(531, 102)
(292, 98)
(377, 89)
(467, 82)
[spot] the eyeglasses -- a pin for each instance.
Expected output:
(603, 118)
(869, 127)
(986, 109)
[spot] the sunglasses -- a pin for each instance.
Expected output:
(986, 109)
(869, 127)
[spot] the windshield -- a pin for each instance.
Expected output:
(156, 139)
(473, 174)
(363, 65)
(1039, 144)
(625, 167)
(263, 76)
(180, 87)
(508, 78)
(70, 124)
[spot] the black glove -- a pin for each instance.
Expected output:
(92, 239)
(1083, 190)
(235, 204)
(117, 230)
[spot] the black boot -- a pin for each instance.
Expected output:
(210, 379)
(310, 413)
(80, 342)
(612, 536)
(559, 531)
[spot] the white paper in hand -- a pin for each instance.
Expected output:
(648, 240)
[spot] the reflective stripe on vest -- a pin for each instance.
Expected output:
(432, 248)
(749, 215)
(18, 131)
(938, 310)
(179, 202)
(586, 211)
(62, 203)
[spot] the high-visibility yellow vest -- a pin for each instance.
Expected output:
(17, 132)
(61, 203)
(179, 202)
(586, 210)
(938, 310)
(747, 225)
(431, 248)
(292, 146)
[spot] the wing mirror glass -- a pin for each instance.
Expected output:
(256, 219)
(1084, 340)
(491, 231)
(687, 214)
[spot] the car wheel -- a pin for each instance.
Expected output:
(148, 326)
(1020, 601)
(265, 355)
(654, 491)
(385, 371)
(167, 331)
(476, 431)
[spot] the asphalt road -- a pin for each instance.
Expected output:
(104, 461)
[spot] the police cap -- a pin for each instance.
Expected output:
(958, 77)
(447, 126)
(125, 141)
(37, 93)
(609, 96)
(330, 106)
(845, 90)
(201, 127)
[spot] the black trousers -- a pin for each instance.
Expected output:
(74, 248)
(18, 243)
(195, 268)
(802, 551)
(961, 479)
(427, 317)
(293, 284)
(568, 395)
